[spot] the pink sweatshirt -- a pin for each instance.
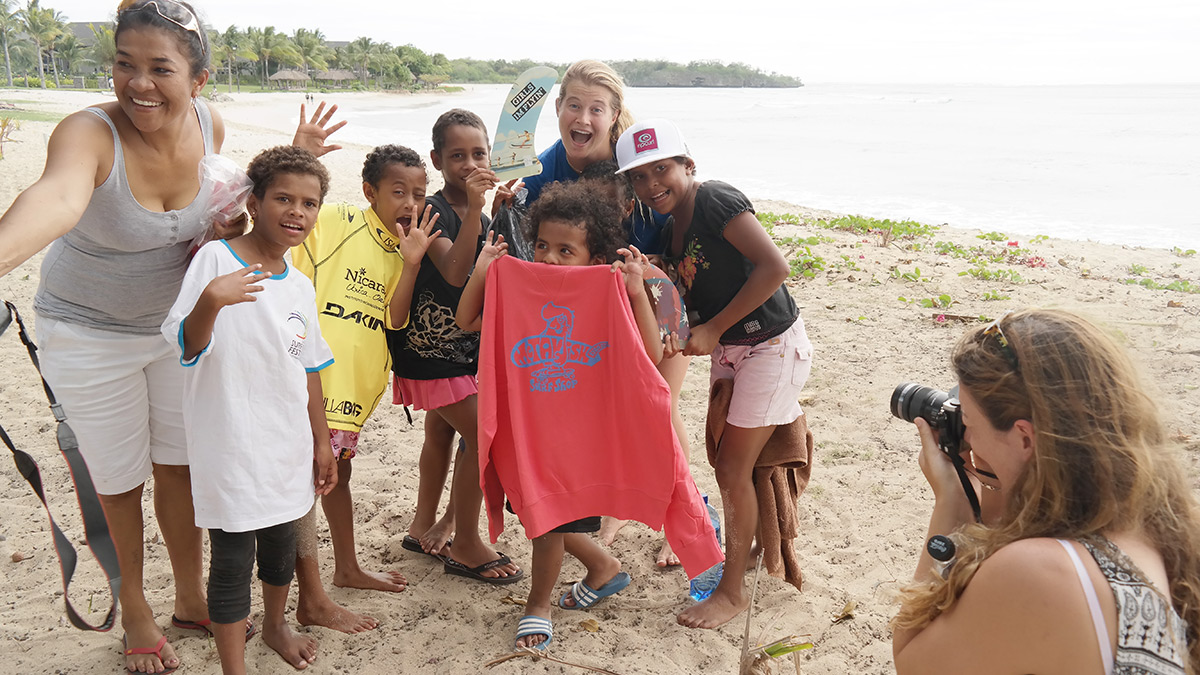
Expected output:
(574, 419)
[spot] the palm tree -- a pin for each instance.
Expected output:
(9, 25)
(268, 44)
(103, 49)
(42, 26)
(384, 61)
(310, 45)
(69, 52)
(357, 55)
(227, 48)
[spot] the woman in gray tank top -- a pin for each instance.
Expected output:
(120, 198)
(1073, 459)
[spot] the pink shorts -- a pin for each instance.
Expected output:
(433, 394)
(344, 442)
(767, 378)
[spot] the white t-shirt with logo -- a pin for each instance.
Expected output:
(245, 400)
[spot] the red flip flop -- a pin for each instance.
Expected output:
(203, 625)
(156, 650)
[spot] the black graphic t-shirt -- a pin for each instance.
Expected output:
(710, 271)
(432, 346)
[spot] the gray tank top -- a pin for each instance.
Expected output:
(120, 268)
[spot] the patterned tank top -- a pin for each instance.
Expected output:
(1150, 635)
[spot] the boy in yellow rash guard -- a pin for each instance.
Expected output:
(363, 265)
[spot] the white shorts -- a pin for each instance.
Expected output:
(123, 397)
(767, 378)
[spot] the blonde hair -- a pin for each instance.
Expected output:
(1102, 461)
(599, 74)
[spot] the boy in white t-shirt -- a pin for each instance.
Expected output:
(246, 327)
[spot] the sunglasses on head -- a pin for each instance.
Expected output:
(185, 18)
(994, 329)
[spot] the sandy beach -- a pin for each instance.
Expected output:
(863, 516)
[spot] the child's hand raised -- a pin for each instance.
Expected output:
(478, 183)
(505, 193)
(494, 247)
(311, 135)
(633, 268)
(415, 242)
(235, 287)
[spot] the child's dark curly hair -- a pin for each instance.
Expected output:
(606, 172)
(283, 159)
(450, 118)
(584, 207)
(379, 159)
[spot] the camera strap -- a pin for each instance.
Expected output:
(960, 467)
(94, 523)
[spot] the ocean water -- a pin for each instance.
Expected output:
(1117, 164)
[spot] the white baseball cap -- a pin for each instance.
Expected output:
(649, 141)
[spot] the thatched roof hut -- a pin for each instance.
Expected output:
(334, 75)
(288, 77)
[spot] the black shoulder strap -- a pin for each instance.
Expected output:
(94, 523)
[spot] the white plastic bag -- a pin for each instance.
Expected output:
(226, 197)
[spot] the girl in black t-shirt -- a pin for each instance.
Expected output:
(434, 362)
(731, 276)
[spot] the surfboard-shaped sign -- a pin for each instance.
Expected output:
(513, 153)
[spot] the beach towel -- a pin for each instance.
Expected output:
(780, 476)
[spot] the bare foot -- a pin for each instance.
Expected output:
(390, 581)
(667, 557)
(434, 540)
(298, 650)
(329, 614)
(142, 639)
(717, 610)
(609, 527)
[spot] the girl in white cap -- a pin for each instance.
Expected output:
(731, 276)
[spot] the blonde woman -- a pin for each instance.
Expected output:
(1086, 561)
(592, 115)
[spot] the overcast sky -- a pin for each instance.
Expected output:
(980, 41)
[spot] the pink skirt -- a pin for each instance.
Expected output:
(432, 394)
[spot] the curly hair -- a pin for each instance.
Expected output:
(194, 44)
(283, 159)
(606, 172)
(379, 159)
(450, 118)
(576, 203)
(1102, 460)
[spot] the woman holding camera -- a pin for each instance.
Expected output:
(1087, 558)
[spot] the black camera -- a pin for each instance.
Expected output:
(911, 400)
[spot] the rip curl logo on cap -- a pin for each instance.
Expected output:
(645, 140)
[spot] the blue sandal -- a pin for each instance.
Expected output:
(585, 596)
(534, 625)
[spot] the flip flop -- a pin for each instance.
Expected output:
(585, 596)
(452, 566)
(411, 543)
(156, 650)
(534, 625)
(203, 625)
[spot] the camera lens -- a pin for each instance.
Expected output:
(911, 400)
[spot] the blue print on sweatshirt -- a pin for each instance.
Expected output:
(553, 349)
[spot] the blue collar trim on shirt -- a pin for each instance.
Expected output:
(286, 267)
